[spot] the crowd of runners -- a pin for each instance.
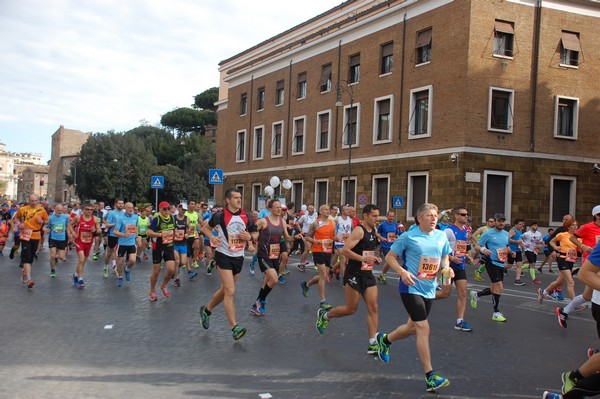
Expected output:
(430, 257)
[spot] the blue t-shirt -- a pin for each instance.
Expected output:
(495, 240)
(58, 226)
(385, 229)
(422, 255)
(594, 256)
(113, 217)
(545, 240)
(517, 236)
(264, 213)
(127, 221)
(458, 242)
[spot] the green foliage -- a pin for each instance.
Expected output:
(185, 121)
(159, 142)
(207, 99)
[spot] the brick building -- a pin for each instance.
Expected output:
(488, 103)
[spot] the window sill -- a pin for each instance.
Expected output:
(297, 153)
(300, 98)
(412, 136)
(563, 137)
(493, 130)
(276, 156)
(568, 66)
(387, 141)
(322, 149)
(423, 64)
(504, 57)
(385, 74)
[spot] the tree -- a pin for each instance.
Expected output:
(207, 99)
(187, 120)
(159, 142)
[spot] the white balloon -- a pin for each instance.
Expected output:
(287, 184)
(274, 181)
(304, 207)
(269, 190)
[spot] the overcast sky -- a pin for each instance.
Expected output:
(99, 65)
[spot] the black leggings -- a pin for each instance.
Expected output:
(589, 386)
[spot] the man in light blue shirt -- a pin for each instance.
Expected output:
(126, 231)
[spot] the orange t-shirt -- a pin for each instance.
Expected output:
(324, 234)
(30, 217)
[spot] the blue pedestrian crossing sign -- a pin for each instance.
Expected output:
(215, 176)
(157, 182)
(397, 202)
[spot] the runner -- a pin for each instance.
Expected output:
(515, 241)
(532, 241)
(320, 236)
(303, 225)
(388, 231)
(235, 228)
(359, 281)
(420, 256)
(127, 231)
(110, 222)
(271, 229)
(343, 228)
(162, 230)
(97, 213)
(181, 246)
(81, 230)
(57, 237)
(287, 215)
(547, 252)
(193, 239)
(142, 238)
(474, 239)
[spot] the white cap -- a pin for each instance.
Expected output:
(596, 210)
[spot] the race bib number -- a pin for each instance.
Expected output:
(179, 234)
(131, 229)
(461, 248)
(236, 244)
(58, 228)
(367, 266)
(274, 250)
(327, 246)
(86, 237)
(571, 255)
(167, 236)
(142, 230)
(26, 234)
(502, 254)
(428, 268)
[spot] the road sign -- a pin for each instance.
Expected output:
(215, 176)
(397, 202)
(362, 199)
(157, 182)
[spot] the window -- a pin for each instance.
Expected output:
(325, 81)
(419, 124)
(240, 153)
(301, 85)
(354, 72)
(504, 34)
(258, 142)
(298, 143)
(279, 93)
(277, 140)
(320, 192)
(569, 49)
(562, 198)
(297, 193)
(323, 128)
(349, 191)
(387, 58)
(241, 188)
(383, 120)
(351, 134)
(566, 117)
(244, 104)
(423, 46)
(497, 193)
(256, 196)
(500, 110)
(381, 193)
(260, 100)
(417, 192)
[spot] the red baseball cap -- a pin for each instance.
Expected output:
(163, 204)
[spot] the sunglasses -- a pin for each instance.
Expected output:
(463, 214)
(164, 209)
(88, 209)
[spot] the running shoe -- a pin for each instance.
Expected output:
(463, 326)
(75, 279)
(373, 348)
(127, 275)
(251, 270)
(304, 289)
(204, 317)
(568, 382)
(115, 271)
(195, 264)
(536, 281)
(80, 283)
(281, 280)
(261, 307)
(539, 269)
(562, 317)
(382, 279)
(550, 271)
(321, 321)
(105, 273)
(255, 309)
(473, 295)
(285, 271)
(315, 267)
(329, 277)
(192, 274)
(498, 316)
(551, 395)
(301, 267)
(177, 282)
(592, 351)
(519, 282)
(434, 382)
(478, 276)
(238, 332)
(138, 259)
(152, 296)
(210, 267)
(541, 295)
(559, 295)
(165, 292)
(120, 282)
(325, 305)
(30, 283)
(383, 349)
(337, 274)
(52, 273)
(553, 295)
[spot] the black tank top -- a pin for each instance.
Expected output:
(269, 240)
(368, 243)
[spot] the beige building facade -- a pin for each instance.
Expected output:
(489, 104)
(12, 165)
(33, 180)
